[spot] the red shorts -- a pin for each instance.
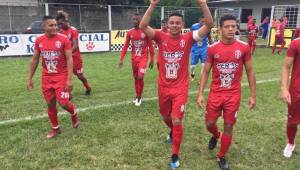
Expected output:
(172, 101)
(252, 42)
(139, 68)
(54, 88)
(279, 39)
(77, 65)
(218, 104)
(294, 111)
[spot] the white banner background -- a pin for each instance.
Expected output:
(23, 44)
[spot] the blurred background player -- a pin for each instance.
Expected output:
(141, 45)
(56, 52)
(291, 94)
(279, 36)
(173, 80)
(252, 35)
(296, 33)
(72, 33)
(238, 31)
(226, 58)
(265, 27)
(199, 49)
(164, 25)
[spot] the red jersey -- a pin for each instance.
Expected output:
(297, 33)
(227, 62)
(252, 31)
(139, 45)
(294, 52)
(173, 59)
(52, 50)
(72, 34)
(280, 29)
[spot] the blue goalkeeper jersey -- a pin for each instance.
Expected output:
(198, 45)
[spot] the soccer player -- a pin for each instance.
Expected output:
(250, 20)
(72, 33)
(199, 49)
(279, 36)
(296, 33)
(226, 58)
(173, 79)
(291, 94)
(265, 27)
(56, 52)
(252, 35)
(140, 44)
(164, 25)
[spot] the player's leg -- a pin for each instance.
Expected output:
(213, 112)
(195, 56)
(274, 46)
(63, 98)
(282, 44)
(253, 46)
(165, 107)
(78, 71)
(177, 114)
(291, 128)
(135, 70)
(230, 110)
(49, 96)
(140, 81)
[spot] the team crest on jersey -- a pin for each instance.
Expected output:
(69, 36)
(216, 56)
(57, 44)
(143, 35)
(238, 54)
(41, 45)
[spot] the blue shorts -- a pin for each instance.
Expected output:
(199, 54)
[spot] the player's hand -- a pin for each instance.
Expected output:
(154, 2)
(69, 85)
(151, 65)
(286, 96)
(120, 65)
(200, 101)
(251, 103)
(29, 85)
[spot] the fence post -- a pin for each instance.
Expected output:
(270, 26)
(109, 18)
(9, 15)
(162, 11)
(80, 19)
(46, 9)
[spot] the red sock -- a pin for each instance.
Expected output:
(177, 138)
(87, 85)
(225, 144)
(169, 123)
(281, 47)
(214, 131)
(71, 108)
(274, 48)
(136, 87)
(52, 114)
(141, 87)
(291, 133)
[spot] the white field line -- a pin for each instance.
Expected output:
(30, 118)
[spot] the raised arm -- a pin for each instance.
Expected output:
(144, 24)
(208, 20)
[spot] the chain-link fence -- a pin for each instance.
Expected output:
(291, 12)
(95, 17)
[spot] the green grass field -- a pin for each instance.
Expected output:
(114, 134)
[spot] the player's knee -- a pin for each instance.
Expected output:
(80, 75)
(51, 103)
(210, 124)
(176, 121)
(64, 105)
(292, 125)
(228, 127)
(139, 78)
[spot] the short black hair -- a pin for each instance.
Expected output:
(164, 20)
(176, 14)
(226, 18)
(47, 17)
(62, 15)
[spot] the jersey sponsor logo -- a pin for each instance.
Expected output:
(238, 54)
(172, 57)
(171, 70)
(69, 36)
(57, 44)
(227, 73)
(216, 56)
(138, 43)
